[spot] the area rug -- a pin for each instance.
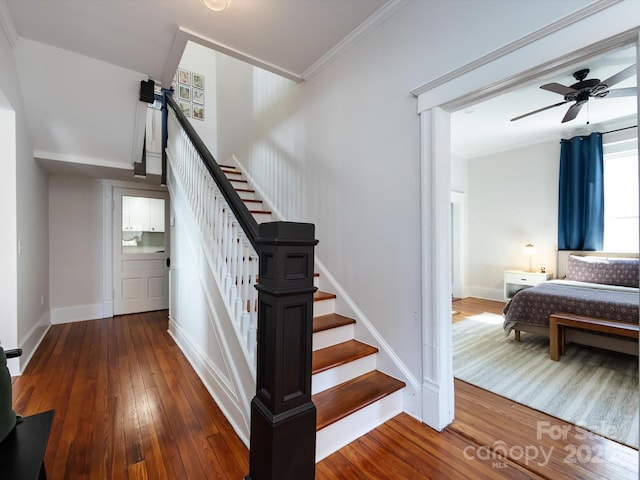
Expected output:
(594, 389)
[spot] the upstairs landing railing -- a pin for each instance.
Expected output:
(274, 319)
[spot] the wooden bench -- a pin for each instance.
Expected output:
(559, 321)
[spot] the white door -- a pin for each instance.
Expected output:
(140, 251)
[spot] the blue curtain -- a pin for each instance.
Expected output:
(581, 194)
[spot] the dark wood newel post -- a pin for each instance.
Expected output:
(283, 417)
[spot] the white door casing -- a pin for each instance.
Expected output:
(140, 272)
(452, 92)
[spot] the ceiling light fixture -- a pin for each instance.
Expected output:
(216, 5)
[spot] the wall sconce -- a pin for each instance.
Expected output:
(529, 250)
(216, 5)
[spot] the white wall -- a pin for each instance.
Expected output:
(512, 201)
(348, 140)
(24, 255)
(8, 241)
(75, 246)
(83, 110)
(202, 60)
(459, 174)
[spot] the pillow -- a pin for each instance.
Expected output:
(606, 271)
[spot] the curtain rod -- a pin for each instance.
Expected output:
(620, 129)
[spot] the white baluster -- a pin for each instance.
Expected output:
(230, 255)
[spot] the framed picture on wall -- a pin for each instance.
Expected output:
(198, 112)
(184, 92)
(185, 107)
(198, 96)
(198, 80)
(184, 76)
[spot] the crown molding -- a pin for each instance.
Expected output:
(183, 35)
(518, 44)
(374, 21)
(7, 26)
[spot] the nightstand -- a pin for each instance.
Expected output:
(516, 280)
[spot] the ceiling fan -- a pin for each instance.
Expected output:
(584, 88)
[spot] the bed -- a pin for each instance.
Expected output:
(591, 285)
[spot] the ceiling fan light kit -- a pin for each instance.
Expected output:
(581, 91)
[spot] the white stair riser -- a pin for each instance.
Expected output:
(233, 175)
(316, 282)
(333, 336)
(262, 217)
(247, 195)
(324, 307)
(238, 184)
(342, 432)
(254, 205)
(342, 373)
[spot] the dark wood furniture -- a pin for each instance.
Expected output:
(558, 322)
(22, 451)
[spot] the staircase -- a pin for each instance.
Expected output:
(351, 396)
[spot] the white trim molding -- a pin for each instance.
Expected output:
(78, 313)
(29, 344)
(374, 21)
(437, 360)
(518, 44)
(218, 386)
(183, 35)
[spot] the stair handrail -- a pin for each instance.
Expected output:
(240, 210)
(283, 416)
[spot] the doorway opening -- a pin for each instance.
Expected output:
(140, 250)
(495, 293)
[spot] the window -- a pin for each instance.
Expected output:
(621, 221)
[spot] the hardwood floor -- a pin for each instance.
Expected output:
(129, 406)
(465, 307)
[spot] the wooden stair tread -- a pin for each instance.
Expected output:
(248, 190)
(319, 295)
(267, 212)
(339, 354)
(332, 320)
(342, 400)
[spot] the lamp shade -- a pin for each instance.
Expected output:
(529, 249)
(216, 5)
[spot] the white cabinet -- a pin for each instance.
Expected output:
(156, 215)
(141, 214)
(516, 280)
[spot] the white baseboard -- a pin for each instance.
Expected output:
(218, 388)
(486, 293)
(30, 344)
(79, 313)
(435, 413)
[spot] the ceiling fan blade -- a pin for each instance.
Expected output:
(539, 110)
(622, 92)
(620, 76)
(573, 111)
(557, 88)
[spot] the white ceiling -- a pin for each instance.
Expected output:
(485, 128)
(293, 36)
(138, 34)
